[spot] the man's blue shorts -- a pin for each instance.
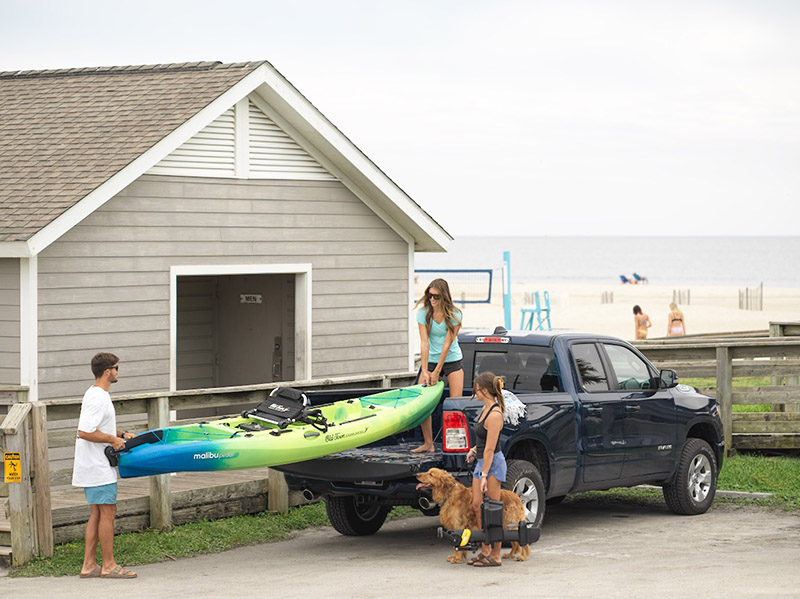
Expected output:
(102, 494)
(498, 468)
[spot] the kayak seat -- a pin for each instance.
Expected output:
(284, 406)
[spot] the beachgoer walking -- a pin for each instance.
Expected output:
(676, 322)
(641, 322)
(97, 429)
(491, 468)
(438, 322)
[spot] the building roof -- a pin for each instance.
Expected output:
(65, 134)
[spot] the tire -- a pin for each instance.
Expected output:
(354, 518)
(695, 484)
(524, 479)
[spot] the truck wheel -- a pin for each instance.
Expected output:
(524, 479)
(351, 517)
(695, 482)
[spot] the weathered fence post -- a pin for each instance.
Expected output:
(725, 395)
(40, 474)
(160, 493)
(20, 495)
(277, 493)
(784, 329)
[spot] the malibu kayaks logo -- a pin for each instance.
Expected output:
(337, 436)
(210, 455)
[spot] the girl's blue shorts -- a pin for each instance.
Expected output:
(102, 494)
(498, 468)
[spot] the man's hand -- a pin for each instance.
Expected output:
(127, 435)
(117, 443)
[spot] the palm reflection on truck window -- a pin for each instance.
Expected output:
(530, 368)
(590, 367)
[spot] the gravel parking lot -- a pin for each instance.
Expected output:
(586, 550)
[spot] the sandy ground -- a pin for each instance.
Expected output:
(580, 307)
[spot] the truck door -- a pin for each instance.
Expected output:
(601, 417)
(650, 422)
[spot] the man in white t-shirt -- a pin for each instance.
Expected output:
(97, 429)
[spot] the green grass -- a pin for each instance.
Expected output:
(186, 540)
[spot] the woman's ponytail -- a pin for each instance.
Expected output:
(498, 385)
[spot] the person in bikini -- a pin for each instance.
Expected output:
(641, 322)
(676, 324)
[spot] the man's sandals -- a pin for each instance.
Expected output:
(483, 561)
(119, 572)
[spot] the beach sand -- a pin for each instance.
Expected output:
(579, 307)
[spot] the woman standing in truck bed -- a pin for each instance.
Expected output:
(439, 322)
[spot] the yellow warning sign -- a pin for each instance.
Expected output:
(12, 467)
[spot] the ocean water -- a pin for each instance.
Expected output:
(722, 261)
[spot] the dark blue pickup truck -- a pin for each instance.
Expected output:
(599, 415)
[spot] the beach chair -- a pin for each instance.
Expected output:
(542, 312)
(639, 278)
(624, 279)
(528, 312)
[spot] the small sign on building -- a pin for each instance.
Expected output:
(13, 467)
(250, 298)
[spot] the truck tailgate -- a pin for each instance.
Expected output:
(384, 462)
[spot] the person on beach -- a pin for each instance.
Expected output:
(97, 429)
(641, 322)
(676, 324)
(491, 467)
(439, 322)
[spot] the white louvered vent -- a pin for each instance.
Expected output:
(275, 155)
(210, 153)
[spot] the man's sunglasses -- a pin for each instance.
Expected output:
(114, 367)
(435, 296)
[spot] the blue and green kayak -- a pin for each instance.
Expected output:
(280, 431)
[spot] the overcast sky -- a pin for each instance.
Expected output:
(560, 117)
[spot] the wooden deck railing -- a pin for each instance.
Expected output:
(725, 359)
(43, 433)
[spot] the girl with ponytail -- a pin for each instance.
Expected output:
(491, 468)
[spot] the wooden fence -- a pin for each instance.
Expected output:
(43, 433)
(727, 358)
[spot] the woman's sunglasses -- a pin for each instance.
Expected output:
(435, 296)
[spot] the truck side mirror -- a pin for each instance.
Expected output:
(667, 379)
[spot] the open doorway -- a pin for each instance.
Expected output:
(238, 328)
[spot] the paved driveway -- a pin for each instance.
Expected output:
(586, 550)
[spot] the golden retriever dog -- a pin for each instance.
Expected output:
(456, 509)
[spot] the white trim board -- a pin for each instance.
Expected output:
(302, 308)
(29, 325)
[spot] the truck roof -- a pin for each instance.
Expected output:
(524, 337)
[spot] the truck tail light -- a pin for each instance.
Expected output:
(456, 432)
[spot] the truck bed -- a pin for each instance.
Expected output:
(383, 462)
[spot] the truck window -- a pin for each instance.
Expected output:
(630, 370)
(590, 369)
(526, 368)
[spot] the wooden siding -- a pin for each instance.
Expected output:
(9, 321)
(105, 284)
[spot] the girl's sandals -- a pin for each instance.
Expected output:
(486, 562)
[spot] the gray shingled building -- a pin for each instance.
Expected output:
(203, 221)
